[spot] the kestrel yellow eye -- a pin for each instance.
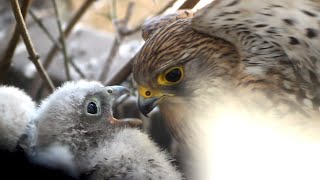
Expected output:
(171, 76)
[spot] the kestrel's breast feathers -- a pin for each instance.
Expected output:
(269, 34)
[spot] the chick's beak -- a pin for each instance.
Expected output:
(117, 91)
(146, 105)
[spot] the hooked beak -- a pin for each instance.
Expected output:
(117, 91)
(146, 105)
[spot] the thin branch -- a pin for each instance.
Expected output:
(62, 40)
(121, 75)
(189, 4)
(48, 60)
(131, 31)
(128, 32)
(6, 59)
(52, 39)
(128, 14)
(77, 69)
(113, 52)
(114, 9)
(167, 6)
(74, 20)
(33, 56)
(44, 29)
(119, 24)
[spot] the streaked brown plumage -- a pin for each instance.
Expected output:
(261, 53)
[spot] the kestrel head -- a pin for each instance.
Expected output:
(177, 64)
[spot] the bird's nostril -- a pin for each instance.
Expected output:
(148, 93)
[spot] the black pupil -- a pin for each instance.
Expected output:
(174, 75)
(92, 108)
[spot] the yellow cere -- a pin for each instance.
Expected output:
(147, 93)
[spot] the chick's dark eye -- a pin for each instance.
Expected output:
(174, 75)
(92, 108)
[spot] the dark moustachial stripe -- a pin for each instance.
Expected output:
(308, 13)
(288, 21)
(276, 6)
(311, 33)
(293, 41)
(261, 25)
(266, 14)
(233, 3)
(230, 19)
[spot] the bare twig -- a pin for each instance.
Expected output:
(131, 31)
(119, 24)
(77, 69)
(62, 40)
(33, 56)
(6, 59)
(167, 6)
(52, 39)
(128, 14)
(189, 4)
(48, 60)
(114, 10)
(121, 75)
(127, 32)
(74, 20)
(44, 29)
(113, 52)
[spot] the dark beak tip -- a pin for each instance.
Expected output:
(126, 91)
(144, 113)
(147, 105)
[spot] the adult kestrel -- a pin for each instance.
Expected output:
(260, 53)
